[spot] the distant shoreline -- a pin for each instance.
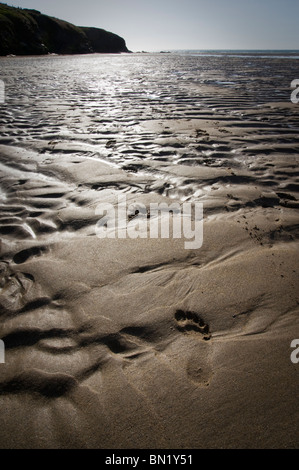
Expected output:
(280, 54)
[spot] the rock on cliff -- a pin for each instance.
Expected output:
(25, 32)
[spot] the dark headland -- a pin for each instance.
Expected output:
(29, 32)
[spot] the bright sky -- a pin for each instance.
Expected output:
(184, 24)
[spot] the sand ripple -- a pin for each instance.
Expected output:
(141, 343)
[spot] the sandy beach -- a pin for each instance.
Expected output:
(141, 343)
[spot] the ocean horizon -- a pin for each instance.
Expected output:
(279, 53)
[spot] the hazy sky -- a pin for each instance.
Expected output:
(184, 24)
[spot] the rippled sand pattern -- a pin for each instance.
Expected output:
(141, 343)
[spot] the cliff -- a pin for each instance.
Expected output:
(29, 32)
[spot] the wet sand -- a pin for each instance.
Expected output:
(122, 343)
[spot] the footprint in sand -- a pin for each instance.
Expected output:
(198, 367)
(199, 371)
(190, 322)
